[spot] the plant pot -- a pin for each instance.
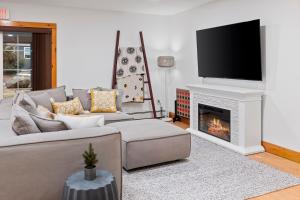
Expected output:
(90, 173)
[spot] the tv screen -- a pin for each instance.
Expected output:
(231, 51)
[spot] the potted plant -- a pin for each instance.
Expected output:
(90, 160)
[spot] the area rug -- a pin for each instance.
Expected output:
(210, 173)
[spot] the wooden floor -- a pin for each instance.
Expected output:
(293, 168)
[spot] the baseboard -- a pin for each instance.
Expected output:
(281, 151)
(182, 119)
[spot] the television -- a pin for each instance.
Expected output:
(230, 51)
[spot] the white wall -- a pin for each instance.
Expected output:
(280, 19)
(86, 41)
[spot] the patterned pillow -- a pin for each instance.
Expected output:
(103, 101)
(72, 107)
(119, 97)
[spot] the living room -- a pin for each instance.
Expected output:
(258, 154)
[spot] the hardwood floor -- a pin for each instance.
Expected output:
(292, 193)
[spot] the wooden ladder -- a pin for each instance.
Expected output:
(148, 80)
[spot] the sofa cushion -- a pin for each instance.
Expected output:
(43, 99)
(103, 101)
(113, 117)
(59, 94)
(5, 108)
(21, 121)
(147, 129)
(27, 103)
(79, 121)
(119, 100)
(151, 141)
(48, 125)
(72, 107)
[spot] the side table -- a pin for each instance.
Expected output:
(104, 187)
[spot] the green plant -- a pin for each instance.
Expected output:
(90, 157)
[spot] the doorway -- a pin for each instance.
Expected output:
(27, 57)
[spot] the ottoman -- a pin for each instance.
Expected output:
(152, 141)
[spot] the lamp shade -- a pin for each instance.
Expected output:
(166, 61)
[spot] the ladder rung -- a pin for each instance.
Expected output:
(146, 81)
(147, 99)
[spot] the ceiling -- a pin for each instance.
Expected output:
(159, 7)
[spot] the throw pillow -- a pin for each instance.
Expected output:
(72, 107)
(43, 99)
(119, 97)
(25, 102)
(84, 96)
(22, 122)
(103, 101)
(44, 112)
(58, 94)
(20, 95)
(48, 125)
(77, 122)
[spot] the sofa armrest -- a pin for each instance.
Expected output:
(35, 166)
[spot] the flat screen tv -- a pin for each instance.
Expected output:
(231, 51)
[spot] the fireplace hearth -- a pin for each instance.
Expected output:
(214, 121)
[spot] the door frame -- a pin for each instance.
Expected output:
(39, 25)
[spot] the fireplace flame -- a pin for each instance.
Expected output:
(215, 125)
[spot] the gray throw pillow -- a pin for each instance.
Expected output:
(22, 122)
(58, 94)
(84, 96)
(48, 125)
(119, 97)
(43, 99)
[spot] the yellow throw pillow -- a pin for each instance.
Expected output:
(103, 101)
(72, 107)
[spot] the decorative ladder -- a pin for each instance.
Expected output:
(148, 80)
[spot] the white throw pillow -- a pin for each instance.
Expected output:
(77, 122)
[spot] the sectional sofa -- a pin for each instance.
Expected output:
(35, 166)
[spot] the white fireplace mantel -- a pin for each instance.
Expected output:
(245, 108)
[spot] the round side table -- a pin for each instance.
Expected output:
(104, 187)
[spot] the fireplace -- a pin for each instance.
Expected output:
(214, 121)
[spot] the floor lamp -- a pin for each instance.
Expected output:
(166, 62)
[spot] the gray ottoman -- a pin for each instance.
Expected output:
(152, 141)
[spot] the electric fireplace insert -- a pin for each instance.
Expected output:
(214, 121)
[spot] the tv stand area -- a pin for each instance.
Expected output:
(245, 115)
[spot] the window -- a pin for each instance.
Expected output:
(27, 53)
(16, 62)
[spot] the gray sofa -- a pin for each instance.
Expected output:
(35, 166)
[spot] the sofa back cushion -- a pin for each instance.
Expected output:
(43, 99)
(58, 94)
(22, 122)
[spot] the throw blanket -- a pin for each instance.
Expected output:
(130, 74)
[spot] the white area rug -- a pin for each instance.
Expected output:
(211, 173)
